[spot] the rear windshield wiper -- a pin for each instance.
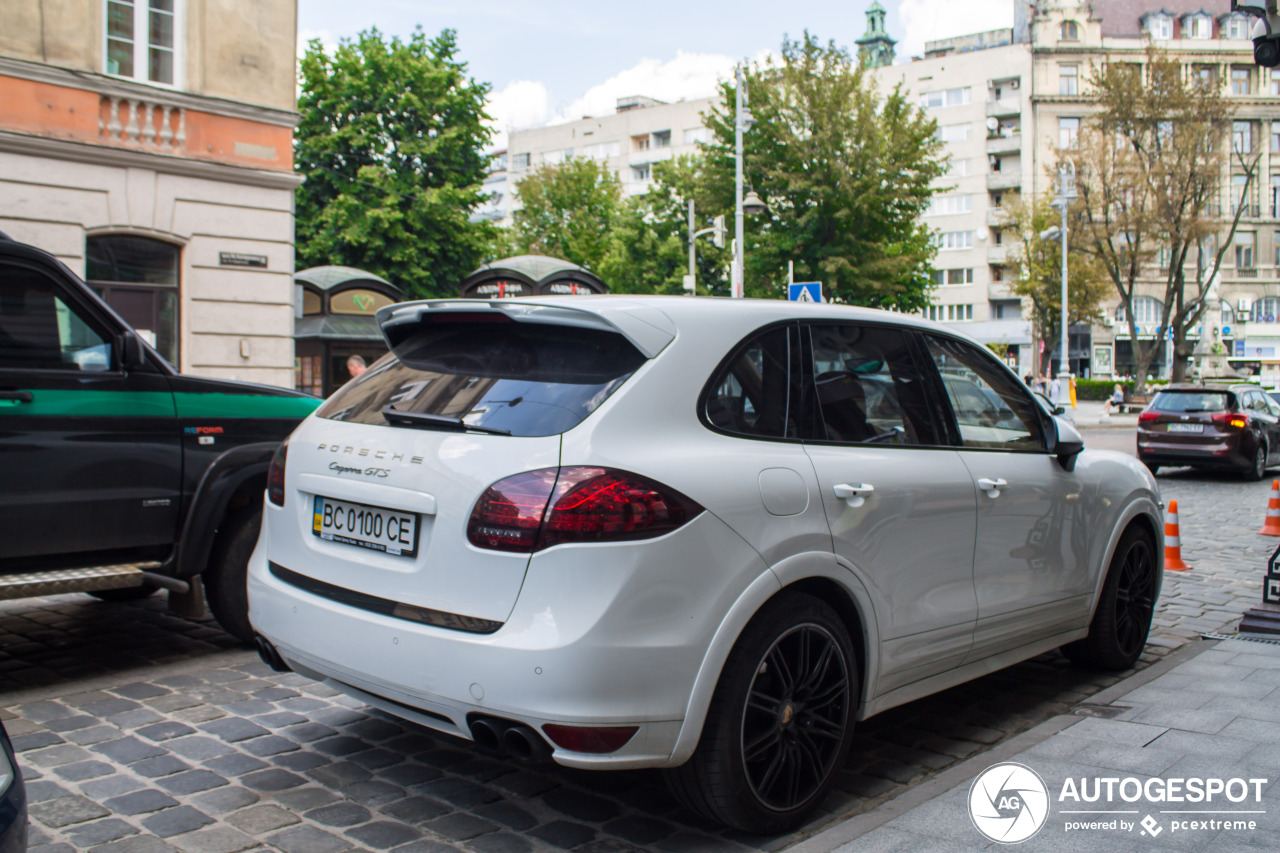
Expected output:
(422, 419)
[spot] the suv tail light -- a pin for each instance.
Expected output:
(538, 509)
(1147, 417)
(1235, 420)
(275, 474)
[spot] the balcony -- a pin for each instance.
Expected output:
(1004, 144)
(998, 291)
(1004, 107)
(996, 255)
(1007, 179)
(997, 217)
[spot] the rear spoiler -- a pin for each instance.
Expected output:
(647, 328)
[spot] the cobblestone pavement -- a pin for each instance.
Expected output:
(139, 731)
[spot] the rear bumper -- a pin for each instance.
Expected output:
(600, 635)
(1225, 452)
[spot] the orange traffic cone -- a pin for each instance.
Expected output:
(1272, 525)
(1172, 542)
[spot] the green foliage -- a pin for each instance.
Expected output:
(846, 172)
(391, 143)
(649, 246)
(1038, 265)
(568, 211)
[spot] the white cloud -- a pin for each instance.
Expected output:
(520, 105)
(327, 39)
(928, 20)
(688, 76)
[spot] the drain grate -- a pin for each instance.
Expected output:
(1105, 712)
(1251, 638)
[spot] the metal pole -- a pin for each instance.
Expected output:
(737, 273)
(1064, 364)
(692, 237)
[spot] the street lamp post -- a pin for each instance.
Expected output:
(735, 286)
(1066, 194)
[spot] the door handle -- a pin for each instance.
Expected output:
(13, 398)
(992, 486)
(853, 495)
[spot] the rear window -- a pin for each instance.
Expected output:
(1191, 401)
(523, 378)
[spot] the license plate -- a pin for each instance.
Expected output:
(373, 527)
(1186, 427)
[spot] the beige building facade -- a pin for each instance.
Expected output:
(148, 144)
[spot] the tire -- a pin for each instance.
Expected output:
(1152, 467)
(1258, 470)
(225, 579)
(128, 593)
(1122, 620)
(797, 747)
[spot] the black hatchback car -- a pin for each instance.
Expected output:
(1235, 427)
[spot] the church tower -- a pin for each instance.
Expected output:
(875, 48)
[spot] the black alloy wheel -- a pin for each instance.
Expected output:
(780, 721)
(1122, 619)
(1258, 469)
(794, 721)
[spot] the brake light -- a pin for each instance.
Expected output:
(275, 474)
(538, 509)
(597, 739)
(1235, 420)
(1147, 417)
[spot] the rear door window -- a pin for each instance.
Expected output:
(866, 387)
(1191, 401)
(753, 392)
(527, 379)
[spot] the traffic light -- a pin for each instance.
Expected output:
(718, 235)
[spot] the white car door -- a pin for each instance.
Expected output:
(899, 503)
(1031, 564)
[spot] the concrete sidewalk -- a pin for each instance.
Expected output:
(1089, 414)
(1210, 711)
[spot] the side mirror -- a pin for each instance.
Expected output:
(133, 355)
(1068, 445)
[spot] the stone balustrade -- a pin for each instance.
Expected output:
(149, 123)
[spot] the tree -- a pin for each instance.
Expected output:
(649, 247)
(1039, 269)
(1149, 172)
(568, 211)
(846, 172)
(391, 143)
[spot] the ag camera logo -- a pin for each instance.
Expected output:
(1008, 802)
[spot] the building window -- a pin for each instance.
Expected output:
(1275, 197)
(1266, 310)
(1198, 27)
(950, 205)
(600, 150)
(1068, 79)
(950, 241)
(954, 132)
(1069, 31)
(1241, 80)
(694, 135)
(959, 313)
(138, 277)
(960, 168)
(952, 278)
(1237, 27)
(662, 139)
(1242, 136)
(1206, 76)
(641, 172)
(1068, 131)
(947, 97)
(142, 40)
(1160, 27)
(520, 162)
(1246, 246)
(1275, 81)
(640, 143)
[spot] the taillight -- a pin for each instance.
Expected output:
(539, 509)
(597, 739)
(275, 474)
(1234, 420)
(1148, 417)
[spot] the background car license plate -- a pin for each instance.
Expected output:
(1186, 427)
(373, 527)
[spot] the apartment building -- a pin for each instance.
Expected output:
(148, 144)
(1069, 38)
(977, 88)
(641, 132)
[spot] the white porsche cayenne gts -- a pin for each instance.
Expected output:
(695, 534)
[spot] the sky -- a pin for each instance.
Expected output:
(550, 61)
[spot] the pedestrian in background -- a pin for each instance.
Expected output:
(1116, 398)
(356, 365)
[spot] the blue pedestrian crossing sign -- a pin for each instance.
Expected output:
(805, 291)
